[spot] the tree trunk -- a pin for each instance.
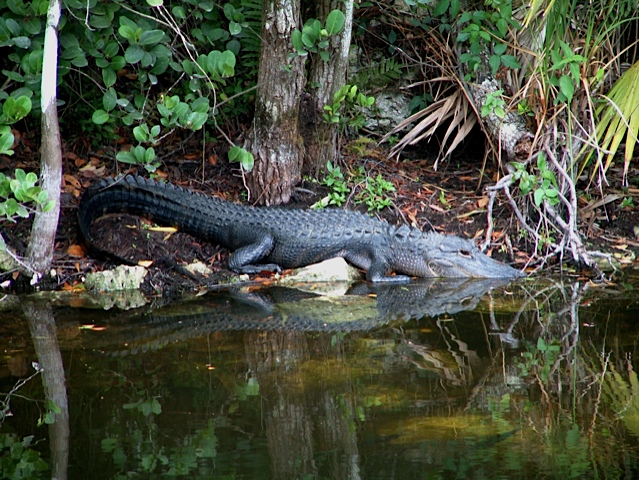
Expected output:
(40, 250)
(511, 132)
(320, 138)
(274, 139)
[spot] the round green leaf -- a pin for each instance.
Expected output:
(134, 54)
(99, 117)
(235, 28)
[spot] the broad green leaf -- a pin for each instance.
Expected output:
(494, 62)
(100, 117)
(118, 62)
(140, 134)
(128, 33)
(510, 61)
(108, 77)
(567, 87)
(6, 142)
(441, 8)
(149, 155)
(151, 37)
(79, 61)
(298, 44)
(500, 48)
(126, 157)
(111, 49)
(179, 12)
(335, 22)
(22, 42)
(234, 153)
(133, 54)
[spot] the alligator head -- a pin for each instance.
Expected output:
(449, 256)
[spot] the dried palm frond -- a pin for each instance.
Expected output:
(453, 108)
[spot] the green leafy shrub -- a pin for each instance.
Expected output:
(19, 193)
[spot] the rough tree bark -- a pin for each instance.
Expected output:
(40, 250)
(320, 138)
(513, 136)
(274, 139)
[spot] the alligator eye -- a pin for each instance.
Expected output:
(465, 253)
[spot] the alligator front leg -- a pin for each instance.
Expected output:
(378, 272)
(246, 259)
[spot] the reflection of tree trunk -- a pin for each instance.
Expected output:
(43, 332)
(301, 419)
(275, 357)
(337, 435)
(274, 138)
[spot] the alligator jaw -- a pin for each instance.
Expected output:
(479, 266)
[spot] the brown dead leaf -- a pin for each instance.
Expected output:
(72, 181)
(145, 263)
(482, 202)
(76, 250)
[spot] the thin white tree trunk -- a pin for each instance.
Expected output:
(41, 245)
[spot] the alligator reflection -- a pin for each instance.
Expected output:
(365, 307)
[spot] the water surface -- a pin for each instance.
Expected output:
(437, 379)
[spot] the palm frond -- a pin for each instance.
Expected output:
(453, 108)
(618, 118)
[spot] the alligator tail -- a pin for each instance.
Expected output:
(165, 204)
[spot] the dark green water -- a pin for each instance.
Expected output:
(536, 379)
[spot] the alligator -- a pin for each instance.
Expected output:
(276, 238)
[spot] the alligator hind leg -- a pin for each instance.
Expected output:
(246, 259)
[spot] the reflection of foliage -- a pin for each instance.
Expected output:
(540, 359)
(623, 395)
(181, 459)
(250, 388)
(146, 406)
(18, 460)
(568, 453)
